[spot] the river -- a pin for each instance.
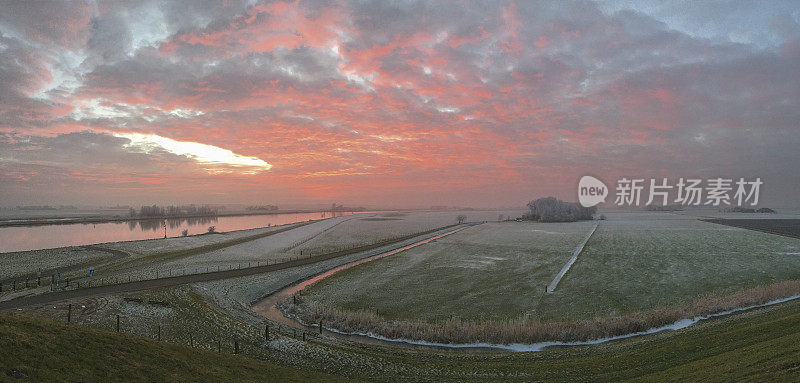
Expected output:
(19, 238)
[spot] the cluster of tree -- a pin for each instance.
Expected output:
(550, 209)
(342, 208)
(36, 207)
(156, 211)
(262, 208)
(450, 208)
(664, 208)
(739, 209)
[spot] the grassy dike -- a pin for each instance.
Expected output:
(760, 345)
(43, 350)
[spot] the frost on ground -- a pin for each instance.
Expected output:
(657, 259)
(267, 248)
(237, 295)
(496, 270)
(161, 245)
(635, 262)
(182, 316)
(358, 232)
(27, 262)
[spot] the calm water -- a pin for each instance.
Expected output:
(50, 236)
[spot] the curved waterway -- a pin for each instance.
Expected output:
(267, 308)
(19, 238)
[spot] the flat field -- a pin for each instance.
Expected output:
(366, 230)
(497, 271)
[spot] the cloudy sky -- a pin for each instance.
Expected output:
(391, 103)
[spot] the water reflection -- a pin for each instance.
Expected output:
(16, 238)
(172, 223)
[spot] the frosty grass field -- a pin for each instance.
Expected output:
(498, 271)
(485, 283)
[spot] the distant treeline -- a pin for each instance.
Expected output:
(664, 208)
(262, 208)
(739, 209)
(550, 209)
(156, 211)
(341, 208)
(47, 207)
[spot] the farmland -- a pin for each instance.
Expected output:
(483, 283)
(484, 272)
(786, 227)
(639, 270)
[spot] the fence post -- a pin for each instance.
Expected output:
(266, 333)
(219, 346)
(320, 327)
(236, 346)
(191, 340)
(304, 336)
(159, 332)
(117, 323)
(69, 313)
(38, 281)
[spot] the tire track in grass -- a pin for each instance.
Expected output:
(552, 286)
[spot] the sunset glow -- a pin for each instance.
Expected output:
(390, 103)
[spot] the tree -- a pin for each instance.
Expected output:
(461, 218)
(551, 209)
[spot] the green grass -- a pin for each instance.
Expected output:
(490, 271)
(45, 350)
(497, 271)
(761, 345)
(486, 283)
(653, 260)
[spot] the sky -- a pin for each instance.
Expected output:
(391, 103)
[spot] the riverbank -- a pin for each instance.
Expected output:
(13, 222)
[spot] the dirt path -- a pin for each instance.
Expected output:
(202, 277)
(552, 286)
